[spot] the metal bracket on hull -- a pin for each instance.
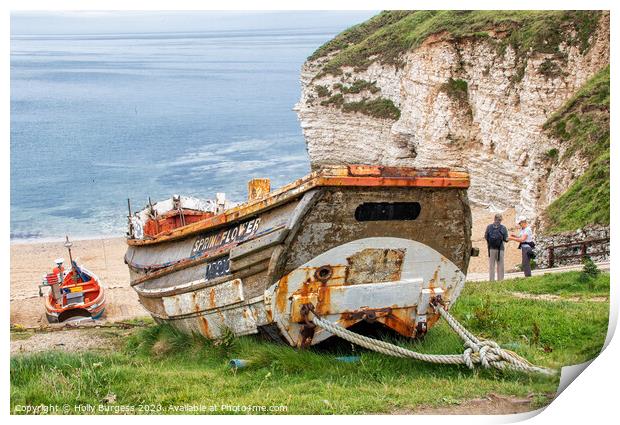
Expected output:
(344, 285)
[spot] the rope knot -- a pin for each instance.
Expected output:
(472, 345)
(484, 361)
(467, 358)
(491, 344)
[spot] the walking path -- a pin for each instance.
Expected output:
(481, 277)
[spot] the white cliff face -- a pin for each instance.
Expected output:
(495, 131)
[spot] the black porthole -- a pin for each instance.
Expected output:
(382, 211)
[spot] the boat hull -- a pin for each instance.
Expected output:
(93, 308)
(55, 317)
(253, 274)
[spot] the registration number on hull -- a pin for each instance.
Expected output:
(218, 267)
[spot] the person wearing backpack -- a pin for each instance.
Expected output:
(495, 235)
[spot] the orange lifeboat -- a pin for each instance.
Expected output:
(75, 295)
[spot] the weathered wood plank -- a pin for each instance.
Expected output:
(249, 260)
(214, 297)
(257, 244)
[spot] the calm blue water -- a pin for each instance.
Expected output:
(98, 119)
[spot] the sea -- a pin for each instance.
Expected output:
(99, 119)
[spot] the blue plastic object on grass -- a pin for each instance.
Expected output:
(348, 359)
(238, 363)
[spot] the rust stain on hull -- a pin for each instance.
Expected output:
(402, 321)
(212, 302)
(323, 303)
(204, 326)
(282, 294)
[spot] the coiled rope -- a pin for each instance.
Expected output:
(486, 353)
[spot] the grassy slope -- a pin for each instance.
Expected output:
(187, 370)
(583, 125)
(387, 36)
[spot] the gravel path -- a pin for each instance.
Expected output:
(480, 277)
(492, 404)
(73, 340)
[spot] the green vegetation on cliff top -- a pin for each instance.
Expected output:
(582, 124)
(385, 37)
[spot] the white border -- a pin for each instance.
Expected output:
(591, 398)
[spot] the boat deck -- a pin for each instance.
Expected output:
(338, 176)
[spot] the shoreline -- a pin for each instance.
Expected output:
(58, 239)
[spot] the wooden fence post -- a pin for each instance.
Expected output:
(551, 259)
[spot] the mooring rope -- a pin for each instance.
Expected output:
(484, 352)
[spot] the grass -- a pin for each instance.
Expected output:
(357, 87)
(456, 90)
(160, 367)
(387, 36)
(322, 91)
(569, 284)
(336, 100)
(585, 202)
(582, 125)
(20, 335)
(550, 69)
(495, 313)
(378, 108)
(552, 154)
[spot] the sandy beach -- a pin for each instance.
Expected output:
(104, 257)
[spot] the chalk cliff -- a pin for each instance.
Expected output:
(468, 90)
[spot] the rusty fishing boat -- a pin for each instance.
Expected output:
(73, 295)
(355, 243)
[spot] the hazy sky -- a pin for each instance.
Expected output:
(114, 22)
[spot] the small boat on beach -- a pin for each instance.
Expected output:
(356, 243)
(73, 295)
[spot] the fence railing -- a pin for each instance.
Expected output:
(583, 250)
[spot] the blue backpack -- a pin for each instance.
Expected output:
(496, 237)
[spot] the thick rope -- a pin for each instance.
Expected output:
(486, 353)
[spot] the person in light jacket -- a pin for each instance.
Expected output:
(526, 245)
